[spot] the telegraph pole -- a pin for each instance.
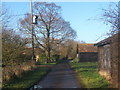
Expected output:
(32, 30)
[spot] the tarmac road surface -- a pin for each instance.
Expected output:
(61, 76)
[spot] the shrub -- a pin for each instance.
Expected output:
(56, 57)
(42, 58)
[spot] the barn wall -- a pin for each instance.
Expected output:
(109, 64)
(88, 57)
(114, 58)
(119, 60)
(104, 61)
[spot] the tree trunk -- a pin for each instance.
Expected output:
(48, 54)
(48, 45)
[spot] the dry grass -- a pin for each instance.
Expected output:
(15, 71)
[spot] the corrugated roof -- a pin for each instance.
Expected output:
(105, 41)
(87, 48)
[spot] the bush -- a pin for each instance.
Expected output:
(42, 59)
(76, 60)
(13, 48)
(27, 79)
(16, 71)
(56, 57)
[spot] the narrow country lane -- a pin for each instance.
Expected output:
(61, 76)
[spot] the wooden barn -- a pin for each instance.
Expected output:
(87, 53)
(88, 56)
(108, 59)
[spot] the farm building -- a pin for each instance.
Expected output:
(108, 59)
(88, 56)
(87, 53)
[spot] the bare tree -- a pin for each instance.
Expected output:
(4, 17)
(69, 49)
(111, 17)
(51, 29)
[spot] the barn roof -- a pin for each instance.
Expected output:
(87, 47)
(104, 42)
(107, 40)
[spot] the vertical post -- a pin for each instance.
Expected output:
(77, 51)
(32, 30)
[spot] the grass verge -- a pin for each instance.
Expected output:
(46, 63)
(88, 75)
(28, 78)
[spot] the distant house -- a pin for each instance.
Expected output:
(87, 53)
(108, 55)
